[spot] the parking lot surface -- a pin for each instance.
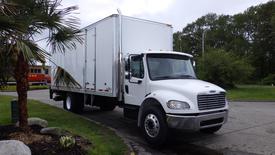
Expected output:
(250, 130)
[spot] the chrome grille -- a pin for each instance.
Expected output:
(211, 101)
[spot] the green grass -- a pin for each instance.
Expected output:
(32, 87)
(104, 141)
(252, 93)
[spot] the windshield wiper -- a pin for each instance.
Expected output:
(186, 76)
(174, 77)
(164, 77)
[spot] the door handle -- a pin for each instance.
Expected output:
(139, 81)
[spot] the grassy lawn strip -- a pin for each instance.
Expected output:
(252, 93)
(104, 141)
(32, 87)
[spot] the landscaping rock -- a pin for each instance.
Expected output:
(14, 147)
(56, 131)
(36, 121)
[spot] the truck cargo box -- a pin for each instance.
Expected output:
(94, 64)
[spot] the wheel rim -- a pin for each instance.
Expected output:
(68, 103)
(151, 125)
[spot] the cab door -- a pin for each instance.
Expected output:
(135, 84)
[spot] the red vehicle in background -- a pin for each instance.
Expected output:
(39, 75)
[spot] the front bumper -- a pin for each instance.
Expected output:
(197, 121)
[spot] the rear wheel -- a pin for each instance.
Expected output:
(154, 126)
(67, 103)
(211, 129)
(73, 102)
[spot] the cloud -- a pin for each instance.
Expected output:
(182, 12)
(145, 6)
(93, 10)
(175, 12)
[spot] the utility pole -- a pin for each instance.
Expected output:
(202, 44)
(180, 42)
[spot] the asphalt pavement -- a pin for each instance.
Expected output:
(250, 130)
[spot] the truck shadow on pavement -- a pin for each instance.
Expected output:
(180, 143)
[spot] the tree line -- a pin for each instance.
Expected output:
(249, 35)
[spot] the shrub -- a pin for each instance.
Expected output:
(269, 80)
(67, 142)
(223, 68)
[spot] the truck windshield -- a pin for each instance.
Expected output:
(169, 66)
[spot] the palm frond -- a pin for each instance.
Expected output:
(31, 51)
(8, 8)
(64, 28)
(7, 62)
(63, 78)
(21, 19)
(9, 22)
(63, 39)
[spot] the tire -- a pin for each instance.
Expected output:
(211, 130)
(154, 126)
(73, 102)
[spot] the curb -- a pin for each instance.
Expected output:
(128, 143)
(267, 101)
(125, 140)
(132, 152)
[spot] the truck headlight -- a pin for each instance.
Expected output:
(177, 105)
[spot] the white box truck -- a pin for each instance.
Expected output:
(129, 62)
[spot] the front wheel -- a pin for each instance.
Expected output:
(154, 126)
(211, 129)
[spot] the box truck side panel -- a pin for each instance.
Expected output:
(76, 66)
(105, 58)
(90, 58)
(141, 35)
(72, 61)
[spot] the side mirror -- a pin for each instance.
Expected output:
(127, 68)
(194, 64)
(127, 75)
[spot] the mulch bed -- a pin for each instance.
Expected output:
(43, 144)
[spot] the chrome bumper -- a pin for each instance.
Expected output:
(197, 122)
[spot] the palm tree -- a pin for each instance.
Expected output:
(5, 68)
(20, 22)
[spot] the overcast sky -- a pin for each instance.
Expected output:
(175, 12)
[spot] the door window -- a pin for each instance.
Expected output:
(136, 66)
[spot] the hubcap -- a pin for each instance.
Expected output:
(68, 103)
(151, 125)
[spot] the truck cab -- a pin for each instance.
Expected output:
(162, 91)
